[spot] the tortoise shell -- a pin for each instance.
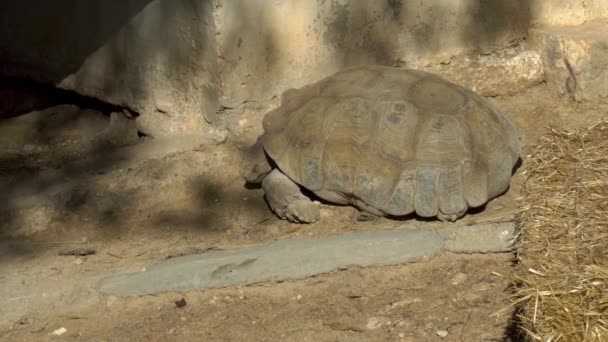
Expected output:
(393, 141)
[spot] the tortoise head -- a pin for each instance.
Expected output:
(257, 164)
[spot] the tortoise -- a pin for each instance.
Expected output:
(387, 140)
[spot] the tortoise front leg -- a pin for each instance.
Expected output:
(287, 200)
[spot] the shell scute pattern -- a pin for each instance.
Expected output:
(397, 140)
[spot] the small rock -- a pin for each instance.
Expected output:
(373, 323)
(442, 333)
(111, 301)
(403, 302)
(345, 324)
(459, 278)
(325, 212)
(171, 331)
(24, 321)
(180, 303)
(473, 298)
(60, 331)
(78, 261)
(401, 335)
(298, 297)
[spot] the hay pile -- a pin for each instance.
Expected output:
(562, 274)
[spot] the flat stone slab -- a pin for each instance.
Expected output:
(300, 258)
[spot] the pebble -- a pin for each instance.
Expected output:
(60, 331)
(459, 278)
(404, 302)
(442, 333)
(373, 323)
(181, 303)
(111, 300)
(78, 261)
(24, 321)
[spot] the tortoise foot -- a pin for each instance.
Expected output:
(287, 200)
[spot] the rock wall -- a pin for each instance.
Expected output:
(268, 46)
(571, 36)
(575, 58)
(157, 57)
(566, 12)
(177, 62)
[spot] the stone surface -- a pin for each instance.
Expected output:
(157, 57)
(299, 258)
(19, 298)
(504, 72)
(575, 58)
(266, 47)
(479, 238)
(566, 12)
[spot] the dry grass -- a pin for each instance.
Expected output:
(562, 274)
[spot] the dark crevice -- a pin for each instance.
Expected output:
(20, 96)
(514, 333)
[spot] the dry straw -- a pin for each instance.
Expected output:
(562, 272)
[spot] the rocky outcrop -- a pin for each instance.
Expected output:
(575, 58)
(156, 57)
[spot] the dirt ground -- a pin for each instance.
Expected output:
(194, 201)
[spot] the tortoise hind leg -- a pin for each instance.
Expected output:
(367, 212)
(287, 201)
